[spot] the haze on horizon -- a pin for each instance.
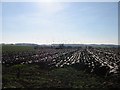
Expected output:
(60, 22)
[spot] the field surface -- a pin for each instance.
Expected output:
(26, 67)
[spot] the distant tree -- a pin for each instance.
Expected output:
(11, 44)
(61, 46)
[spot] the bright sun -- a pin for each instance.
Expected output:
(51, 7)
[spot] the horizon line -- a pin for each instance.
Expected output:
(65, 43)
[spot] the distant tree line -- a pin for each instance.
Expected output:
(60, 46)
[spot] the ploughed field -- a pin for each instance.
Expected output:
(50, 67)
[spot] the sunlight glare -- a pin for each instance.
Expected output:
(51, 7)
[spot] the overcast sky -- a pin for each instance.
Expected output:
(67, 22)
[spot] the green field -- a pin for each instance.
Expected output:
(14, 48)
(0, 47)
(32, 76)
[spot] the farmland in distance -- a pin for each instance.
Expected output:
(60, 67)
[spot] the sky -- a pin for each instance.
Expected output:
(60, 22)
